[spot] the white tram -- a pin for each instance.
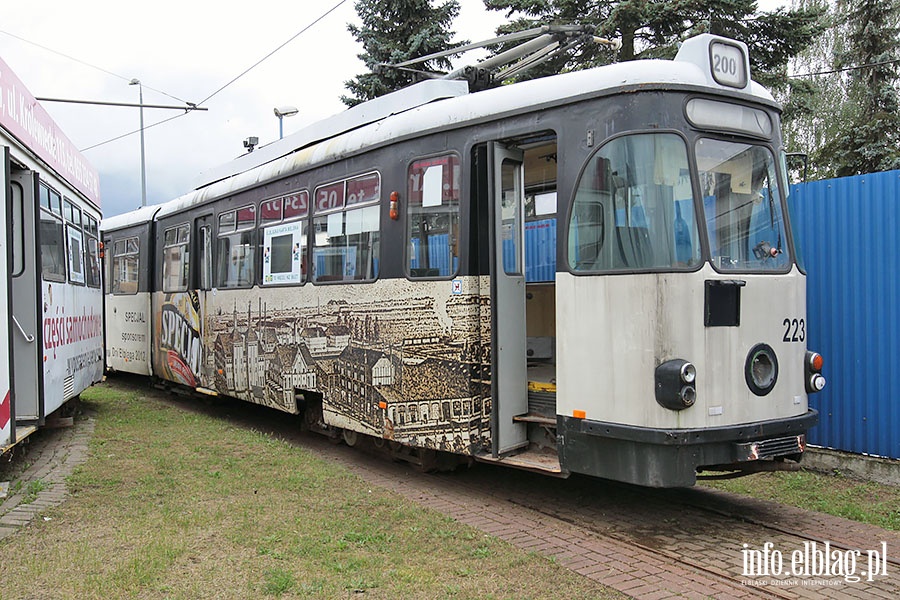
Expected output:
(591, 273)
(50, 280)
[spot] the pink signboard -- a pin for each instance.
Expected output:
(24, 118)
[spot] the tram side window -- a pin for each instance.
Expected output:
(75, 241)
(633, 208)
(125, 265)
(235, 248)
(53, 248)
(92, 247)
(433, 217)
(176, 258)
(347, 230)
(283, 227)
(51, 200)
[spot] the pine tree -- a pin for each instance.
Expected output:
(393, 31)
(868, 140)
(654, 28)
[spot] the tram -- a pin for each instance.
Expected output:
(50, 277)
(590, 273)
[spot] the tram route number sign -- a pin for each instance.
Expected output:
(728, 64)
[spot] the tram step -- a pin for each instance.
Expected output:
(539, 460)
(535, 418)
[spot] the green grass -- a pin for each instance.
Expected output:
(172, 503)
(833, 494)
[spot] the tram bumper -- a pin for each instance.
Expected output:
(672, 457)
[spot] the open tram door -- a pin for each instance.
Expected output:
(23, 410)
(509, 366)
(7, 429)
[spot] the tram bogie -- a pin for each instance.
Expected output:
(584, 273)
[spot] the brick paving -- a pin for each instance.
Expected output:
(604, 542)
(654, 553)
(56, 453)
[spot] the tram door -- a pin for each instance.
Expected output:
(510, 378)
(6, 429)
(25, 311)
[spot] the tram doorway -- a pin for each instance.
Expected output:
(522, 182)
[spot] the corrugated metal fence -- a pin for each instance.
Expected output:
(849, 232)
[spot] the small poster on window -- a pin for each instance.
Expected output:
(76, 256)
(283, 251)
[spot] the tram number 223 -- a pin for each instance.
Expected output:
(794, 330)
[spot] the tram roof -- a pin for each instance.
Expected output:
(438, 105)
(134, 217)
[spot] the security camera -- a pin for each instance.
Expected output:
(250, 143)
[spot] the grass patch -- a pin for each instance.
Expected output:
(833, 494)
(172, 503)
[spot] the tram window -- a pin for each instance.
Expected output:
(90, 226)
(44, 194)
(53, 251)
(71, 213)
(18, 228)
(92, 268)
(742, 201)
(53, 200)
(284, 243)
(270, 211)
(206, 275)
(176, 258)
(76, 254)
(633, 207)
(235, 251)
(433, 217)
(125, 266)
(347, 237)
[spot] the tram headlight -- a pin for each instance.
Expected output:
(675, 384)
(815, 382)
(761, 369)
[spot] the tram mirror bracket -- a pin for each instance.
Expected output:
(722, 303)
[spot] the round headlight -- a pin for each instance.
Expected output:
(688, 395)
(688, 372)
(761, 369)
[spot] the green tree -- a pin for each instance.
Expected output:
(654, 28)
(393, 31)
(868, 136)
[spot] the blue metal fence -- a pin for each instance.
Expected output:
(849, 235)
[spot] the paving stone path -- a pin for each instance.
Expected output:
(56, 453)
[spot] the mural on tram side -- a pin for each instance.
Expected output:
(410, 365)
(178, 327)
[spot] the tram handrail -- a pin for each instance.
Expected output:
(28, 338)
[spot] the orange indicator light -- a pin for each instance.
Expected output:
(579, 414)
(382, 405)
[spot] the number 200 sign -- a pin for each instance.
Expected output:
(728, 64)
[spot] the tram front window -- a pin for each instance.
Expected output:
(742, 202)
(634, 208)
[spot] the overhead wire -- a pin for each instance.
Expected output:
(269, 55)
(87, 64)
(187, 110)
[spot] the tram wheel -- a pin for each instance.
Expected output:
(350, 437)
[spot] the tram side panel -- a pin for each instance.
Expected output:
(73, 341)
(128, 259)
(399, 359)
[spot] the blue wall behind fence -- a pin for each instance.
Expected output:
(849, 232)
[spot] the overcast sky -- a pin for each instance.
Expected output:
(187, 50)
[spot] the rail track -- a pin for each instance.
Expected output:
(646, 543)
